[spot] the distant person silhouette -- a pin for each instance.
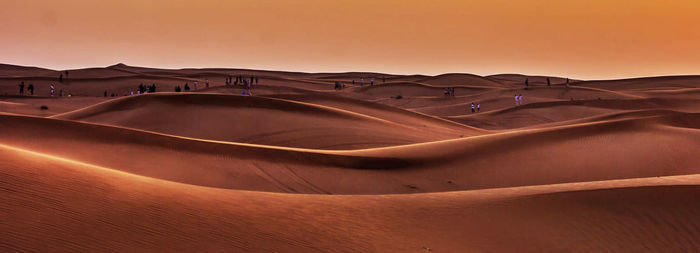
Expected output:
(527, 82)
(478, 107)
(105, 94)
(187, 87)
(207, 83)
(21, 88)
(473, 107)
(60, 78)
(30, 89)
(548, 82)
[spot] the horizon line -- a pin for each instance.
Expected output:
(353, 71)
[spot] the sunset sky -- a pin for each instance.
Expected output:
(587, 39)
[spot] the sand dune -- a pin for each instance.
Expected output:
(558, 111)
(11, 71)
(59, 210)
(487, 161)
(534, 80)
(32, 105)
(451, 80)
(645, 83)
(286, 122)
(603, 165)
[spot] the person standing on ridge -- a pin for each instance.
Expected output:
(21, 88)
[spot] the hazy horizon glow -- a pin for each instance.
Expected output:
(591, 39)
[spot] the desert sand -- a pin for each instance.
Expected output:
(600, 165)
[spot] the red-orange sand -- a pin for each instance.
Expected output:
(394, 167)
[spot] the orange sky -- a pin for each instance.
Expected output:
(577, 38)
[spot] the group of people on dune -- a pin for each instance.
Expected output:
(243, 81)
(30, 90)
(142, 89)
(371, 81)
(187, 86)
(247, 84)
(476, 108)
(338, 85)
(518, 99)
(449, 92)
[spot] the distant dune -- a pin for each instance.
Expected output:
(397, 166)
